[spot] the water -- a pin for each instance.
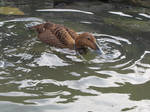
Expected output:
(37, 77)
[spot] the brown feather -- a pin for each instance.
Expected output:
(63, 37)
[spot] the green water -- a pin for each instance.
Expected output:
(37, 77)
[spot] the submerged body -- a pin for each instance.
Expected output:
(62, 37)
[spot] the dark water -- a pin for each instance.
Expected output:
(37, 77)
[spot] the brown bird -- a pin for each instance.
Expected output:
(62, 37)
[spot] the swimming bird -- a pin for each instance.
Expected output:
(62, 37)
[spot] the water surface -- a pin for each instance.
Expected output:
(37, 77)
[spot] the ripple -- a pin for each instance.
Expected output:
(114, 37)
(64, 10)
(50, 60)
(145, 15)
(103, 102)
(86, 22)
(85, 83)
(139, 75)
(82, 85)
(74, 58)
(2, 64)
(16, 94)
(25, 83)
(75, 74)
(65, 93)
(33, 72)
(24, 56)
(108, 102)
(48, 101)
(20, 20)
(23, 69)
(64, 51)
(120, 14)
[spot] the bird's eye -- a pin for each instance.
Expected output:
(88, 38)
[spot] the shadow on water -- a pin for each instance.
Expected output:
(35, 76)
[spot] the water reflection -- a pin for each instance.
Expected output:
(117, 66)
(63, 10)
(120, 13)
(95, 103)
(50, 60)
(145, 15)
(36, 74)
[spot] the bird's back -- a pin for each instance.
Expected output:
(56, 35)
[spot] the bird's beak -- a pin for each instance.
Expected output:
(98, 49)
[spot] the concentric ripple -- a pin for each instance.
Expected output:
(38, 74)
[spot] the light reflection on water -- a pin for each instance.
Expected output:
(102, 102)
(36, 74)
(50, 60)
(63, 10)
(120, 13)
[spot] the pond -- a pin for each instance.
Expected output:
(37, 77)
